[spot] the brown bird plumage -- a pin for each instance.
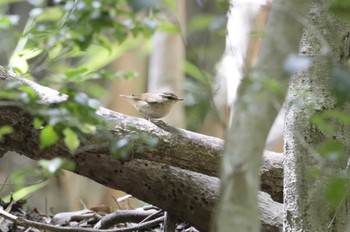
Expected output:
(153, 105)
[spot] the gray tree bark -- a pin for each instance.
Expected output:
(255, 110)
(306, 208)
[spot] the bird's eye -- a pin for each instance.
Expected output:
(169, 96)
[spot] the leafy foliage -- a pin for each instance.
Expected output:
(337, 189)
(69, 31)
(340, 8)
(48, 137)
(68, 44)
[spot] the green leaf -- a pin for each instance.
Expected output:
(30, 53)
(52, 14)
(5, 2)
(29, 91)
(48, 137)
(340, 8)
(169, 28)
(336, 191)
(104, 42)
(193, 71)
(24, 192)
(73, 73)
(5, 130)
(332, 150)
(71, 139)
(322, 124)
(200, 22)
(170, 3)
(38, 123)
(19, 64)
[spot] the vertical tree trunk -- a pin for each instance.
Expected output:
(306, 208)
(166, 61)
(255, 110)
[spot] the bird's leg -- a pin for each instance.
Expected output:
(158, 122)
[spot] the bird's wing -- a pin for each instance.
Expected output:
(153, 101)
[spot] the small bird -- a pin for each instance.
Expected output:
(153, 105)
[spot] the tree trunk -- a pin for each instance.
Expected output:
(255, 110)
(306, 208)
(166, 60)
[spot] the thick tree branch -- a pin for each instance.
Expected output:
(150, 174)
(176, 147)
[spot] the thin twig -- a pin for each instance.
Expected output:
(152, 215)
(28, 223)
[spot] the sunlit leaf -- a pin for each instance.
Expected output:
(170, 3)
(52, 14)
(87, 128)
(30, 53)
(71, 139)
(19, 64)
(37, 123)
(24, 192)
(5, 2)
(6, 21)
(104, 42)
(72, 73)
(96, 58)
(5, 130)
(169, 28)
(48, 137)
